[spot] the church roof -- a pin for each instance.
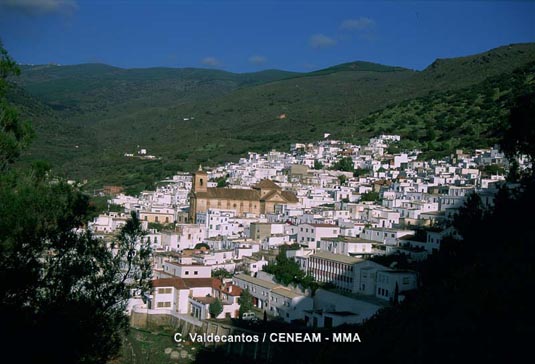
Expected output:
(229, 194)
(267, 184)
(290, 196)
(286, 195)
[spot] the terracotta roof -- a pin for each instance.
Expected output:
(290, 196)
(242, 194)
(267, 184)
(234, 291)
(204, 300)
(229, 194)
(178, 283)
(185, 283)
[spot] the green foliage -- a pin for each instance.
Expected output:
(215, 308)
(285, 270)
(370, 196)
(361, 172)
(221, 273)
(344, 164)
(520, 134)
(317, 164)
(245, 301)
(472, 117)
(493, 169)
(57, 281)
(15, 135)
(221, 181)
(470, 214)
(100, 205)
(107, 111)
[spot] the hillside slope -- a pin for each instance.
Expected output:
(191, 116)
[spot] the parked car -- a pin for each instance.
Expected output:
(249, 316)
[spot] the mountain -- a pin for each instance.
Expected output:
(97, 87)
(191, 116)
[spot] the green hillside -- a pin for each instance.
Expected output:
(88, 116)
(439, 123)
(90, 88)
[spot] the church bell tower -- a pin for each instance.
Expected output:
(200, 180)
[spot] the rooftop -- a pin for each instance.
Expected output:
(286, 292)
(348, 239)
(337, 257)
(258, 282)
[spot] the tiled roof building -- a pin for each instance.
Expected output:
(260, 199)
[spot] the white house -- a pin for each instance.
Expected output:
(311, 234)
(387, 280)
(346, 246)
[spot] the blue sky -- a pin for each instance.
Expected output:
(242, 36)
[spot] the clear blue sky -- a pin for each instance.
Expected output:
(251, 35)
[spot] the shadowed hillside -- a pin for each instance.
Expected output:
(88, 116)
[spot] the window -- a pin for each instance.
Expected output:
(186, 272)
(195, 272)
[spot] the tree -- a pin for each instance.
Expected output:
(221, 273)
(58, 281)
(15, 135)
(345, 164)
(520, 134)
(285, 270)
(245, 301)
(370, 196)
(469, 216)
(318, 164)
(360, 172)
(215, 308)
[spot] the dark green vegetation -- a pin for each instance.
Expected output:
(221, 273)
(87, 116)
(63, 293)
(215, 308)
(246, 302)
(370, 196)
(287, 271)
(472, 117)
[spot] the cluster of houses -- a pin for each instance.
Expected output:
(334, 221)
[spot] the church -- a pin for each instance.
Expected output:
(260, 199)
